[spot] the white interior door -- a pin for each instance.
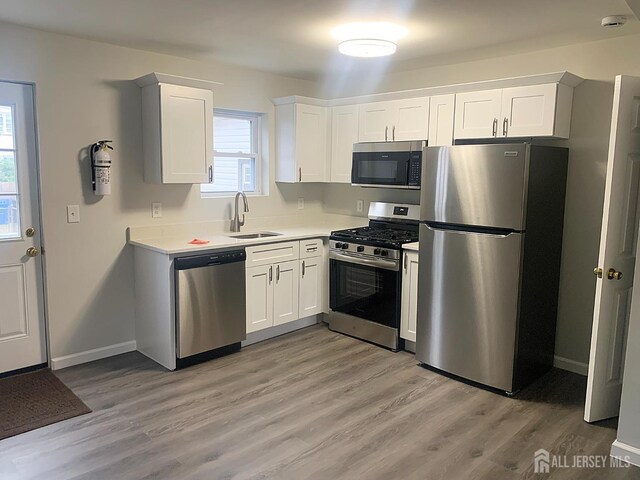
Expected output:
(618, 241)
(22, 333)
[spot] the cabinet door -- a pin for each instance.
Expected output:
(311, 287)
(441, 113)
(311, 143)
(186, 118)
(285, 292)
(410, 119)
(375, 122)
(478, 114)
(259, 297)
(344, 133)
(409, 311)
(528, 111)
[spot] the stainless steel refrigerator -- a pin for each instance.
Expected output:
(490, 247)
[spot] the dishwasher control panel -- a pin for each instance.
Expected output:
(208, 260)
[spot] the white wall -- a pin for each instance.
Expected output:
(598, 63)
(85, 93)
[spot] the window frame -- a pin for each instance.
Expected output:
(256, 154)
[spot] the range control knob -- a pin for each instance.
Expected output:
(384, 253)
(376, 251)
(338, 245)
(360, 248)
(345, 246)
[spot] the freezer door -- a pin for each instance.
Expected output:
(481, 185)
(468, 304)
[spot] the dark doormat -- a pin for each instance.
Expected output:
(33, 400)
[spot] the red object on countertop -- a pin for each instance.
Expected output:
(197, 241)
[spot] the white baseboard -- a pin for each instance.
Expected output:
(571, 365)
(271, 332)
(91, 355)
(626, 452)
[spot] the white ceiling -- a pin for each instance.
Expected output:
(292, 37)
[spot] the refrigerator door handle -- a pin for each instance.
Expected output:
(496, 233)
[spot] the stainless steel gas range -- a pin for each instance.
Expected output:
(365, 267)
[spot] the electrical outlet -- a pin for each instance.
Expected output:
(73, 214)
(301, 203)
(360, 206)
(156, 210)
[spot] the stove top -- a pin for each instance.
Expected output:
(379, 234)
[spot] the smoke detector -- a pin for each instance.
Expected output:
(614, 21)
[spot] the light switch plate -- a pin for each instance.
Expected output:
(73, 214)
(301, 203)
(360, 206)
(156, 210)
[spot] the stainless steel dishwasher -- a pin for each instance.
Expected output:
(210, 305)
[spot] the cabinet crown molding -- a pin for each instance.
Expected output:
(157, 77)
(565, 78)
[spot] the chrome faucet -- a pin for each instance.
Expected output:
(236, 223)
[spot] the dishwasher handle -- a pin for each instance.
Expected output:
(197, 261)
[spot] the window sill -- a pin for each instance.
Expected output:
(229, 194)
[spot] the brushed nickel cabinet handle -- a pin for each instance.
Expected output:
(270, 273)
(300, 174)
(303, 268)
(277, 273)
(505, 126)
(495, 127)
(386, 131)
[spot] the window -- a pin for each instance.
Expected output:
(9, 195)
(236, 160)
(6, 121)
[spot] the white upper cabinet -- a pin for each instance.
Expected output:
(411, 119)
(528, 111)
(531, 111)
(344, 133)
(395, 120)
(441, 117)
(375, 122)
(177, 131)
(477, 114)
(302, 143)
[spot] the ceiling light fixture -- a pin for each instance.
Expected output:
(375, 39)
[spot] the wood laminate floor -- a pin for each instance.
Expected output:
(312, 404)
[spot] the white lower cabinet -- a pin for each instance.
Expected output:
(285, 292)
(311, 282)
(259, 298)
(409, 309)
(282, 292)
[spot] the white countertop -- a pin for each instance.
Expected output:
(415, 246)
(177, 245)
(174, 239)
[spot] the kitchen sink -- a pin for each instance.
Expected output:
(247, 236)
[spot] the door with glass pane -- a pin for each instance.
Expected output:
(22, 333)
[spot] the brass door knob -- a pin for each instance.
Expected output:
(613, 275)
(30, 232)
(32, 252)
(597, 272)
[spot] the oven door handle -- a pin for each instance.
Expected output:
(370, 262)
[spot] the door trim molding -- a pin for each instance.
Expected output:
(571, 365)
(620, 449)
(91, 355)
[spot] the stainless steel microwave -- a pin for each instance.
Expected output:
(387, 164)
